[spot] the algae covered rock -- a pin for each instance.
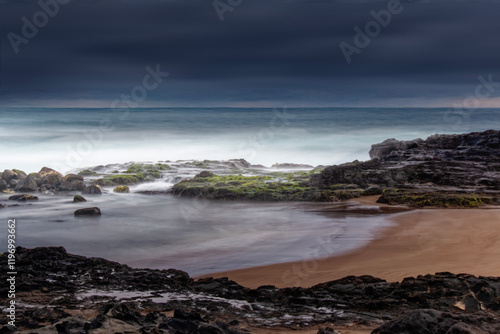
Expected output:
(204, 174)
(121, 189)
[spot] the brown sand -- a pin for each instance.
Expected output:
(421, 242)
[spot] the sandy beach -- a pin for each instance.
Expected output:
(423, 241)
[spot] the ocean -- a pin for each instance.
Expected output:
(154, 231)
(67, 139)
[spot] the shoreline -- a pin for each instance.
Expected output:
(422, 241)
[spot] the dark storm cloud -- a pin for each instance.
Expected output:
(263, 50)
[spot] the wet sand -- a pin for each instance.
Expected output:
(423, 241)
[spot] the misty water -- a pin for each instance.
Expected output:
(164, 231)
(65, 139)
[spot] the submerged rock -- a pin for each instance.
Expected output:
(23, 198)
(79, 198)
(95, 211)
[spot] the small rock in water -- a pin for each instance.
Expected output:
(88, 212)
(92, 190)
(79, 198)
(23, 198)
(1, 206)
(121, 189)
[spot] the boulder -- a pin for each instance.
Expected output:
(95, 211)
(72, 178)
(20, 173)
(72, 186)
(3, 185)
(45, 171)
(92, 190)
(37, 178)
(79, 198)
(52, 179)
(72, 182)
(23, 198)
(27, 184)
(121, 189)
(13, 183)
(9, 175)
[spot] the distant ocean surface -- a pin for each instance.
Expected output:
(65, 139)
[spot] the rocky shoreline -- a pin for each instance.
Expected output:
(443, 171)
(460, 170)
(64, 293)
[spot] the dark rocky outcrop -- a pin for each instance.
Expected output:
(437, 322)
(443, 170)
(457, 165)
(440, 303)
(94, 211)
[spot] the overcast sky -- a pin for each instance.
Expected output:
(264, 53)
